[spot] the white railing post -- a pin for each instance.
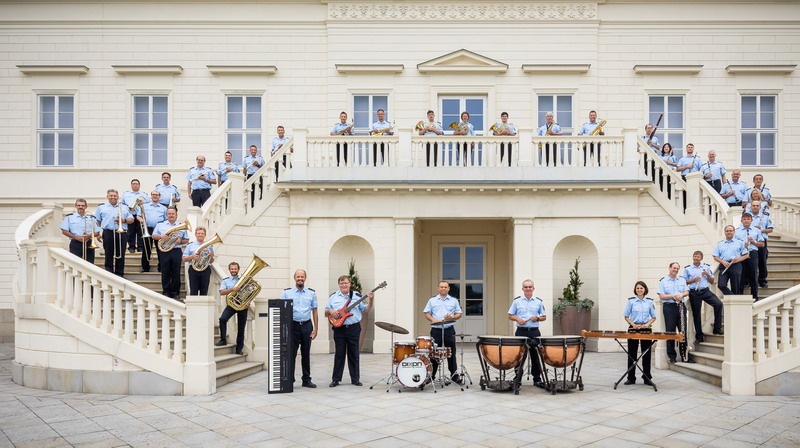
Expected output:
(300, 156)
(738, 370)
(630, 147)
(525, 147)
(404, 149)
(693, 197)
(199, 371)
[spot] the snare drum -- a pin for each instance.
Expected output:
(402, 350)
(441, 353)
(413, 371)
(424, 344)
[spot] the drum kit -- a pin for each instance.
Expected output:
(412, 361)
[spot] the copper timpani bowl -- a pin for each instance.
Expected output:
(502, 352)
(554, 348)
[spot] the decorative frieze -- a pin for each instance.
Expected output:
(510, 11)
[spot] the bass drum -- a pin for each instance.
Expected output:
(413, 371)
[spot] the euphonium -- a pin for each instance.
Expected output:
(172, 237)
(248, 287)
(203, 259)
(599, 128)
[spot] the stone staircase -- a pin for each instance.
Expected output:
(230, 366)
(707, 356)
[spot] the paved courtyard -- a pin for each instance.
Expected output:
(683, 413)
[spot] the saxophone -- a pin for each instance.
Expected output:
(172, 237)
(203, 259)
(248, 287)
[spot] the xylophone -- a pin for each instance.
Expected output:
(652, 336)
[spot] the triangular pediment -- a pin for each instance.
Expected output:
(462, 61)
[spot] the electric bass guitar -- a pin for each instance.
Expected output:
(344, 312)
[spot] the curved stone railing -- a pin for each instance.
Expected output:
(785, 216)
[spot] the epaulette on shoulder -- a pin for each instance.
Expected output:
(648, 298)
(286, 289)
(73, 213)
(517, 297)
(311, 289)
(687, 266)
(706, 264)
(662, 278)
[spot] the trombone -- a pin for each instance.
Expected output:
(93, 241)
(117, 237)
(147, 243)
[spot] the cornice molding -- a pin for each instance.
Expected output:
(760, 69)
(239, 70)
(667, 69)
(546, 69)
(148, 69)
(437, 11)
(53, 69)
(370, 68)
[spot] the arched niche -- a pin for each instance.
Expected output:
(566, 252)
(342, 252)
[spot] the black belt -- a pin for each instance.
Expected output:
(698, 290)
(350, 325)
(200, 189)
(302, 322)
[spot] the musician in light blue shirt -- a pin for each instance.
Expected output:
(689, 163)
(228, 166)
(342, 128)
(734, 192)
(465, 128)
(550, 149)
(170, 261)
(758, 184)
(753, 240)
(79, 228)
(505, 128)
(714, 172)
(730, 253)
(131, 199)
(200, 178)
(277, 143)
(640, 313)
(111, 216)
(169, 192)
(154, 213)
(444, 309)
(587, 129)
(227, 286)
(699, 277)
(672, 291)
(431, 127)
(651, 142)
(526, 312)
(304, 310)
(346, 336)
(252, 163)
(762, 222)
(380, 127)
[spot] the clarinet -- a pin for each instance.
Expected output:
(684, 345)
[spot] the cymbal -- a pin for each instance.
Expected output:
(391, 327)
(463, 335)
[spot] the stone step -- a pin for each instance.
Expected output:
(238, 371)
(707, 359)
(713, 348)
(699, 371)
(228, 359)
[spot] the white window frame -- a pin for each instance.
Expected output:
(663, 128)
(360, 130)
(566, 130)
(462, 107)
(56, 130)
(244, 131)
(150, 131)
(758, 130)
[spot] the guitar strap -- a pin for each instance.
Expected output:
(349, 299)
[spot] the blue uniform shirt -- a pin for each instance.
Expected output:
(162, 227)
(691, 271)
(438, 308)
(379, 125)
(79, 225)
(470, 128)
(738, 188)
(668, 286)
(338, 300)
(525, 308)
(640, 311)
(729, 249)
(669, 158)
(716, 169)
(200, 184)
(277, 142)
(543, 129)
(762, 222)
(744, 233)
(339, 127)
(129, 198)
(228, 283)
(764, 191)
(222, 170)
(304, 301)
(108, 216)
(653, 142)
(191, 249)
(437, 125)
(694, 161)
(155, 213)
(167, 193)
(588, 128)
(248, 166)
(511, 127)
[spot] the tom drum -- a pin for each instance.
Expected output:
(402, 350)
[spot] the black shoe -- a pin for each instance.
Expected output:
(648, 382)
(221, 342)
(309, 384)
(672, 360)
(456, 378)
(629, 382)
(130, 251)
(239, 352)
(719, 333)
(333, 384)
(145, 270)
(356, 383)
(538, 383)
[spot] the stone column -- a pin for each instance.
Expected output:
(630, 148)
(525, 147)
(200, 370)
(300, 155)
(738, 370)
(522, 265)
(405, 280)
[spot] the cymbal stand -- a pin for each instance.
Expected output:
(391, 379)
(463, 373)
(444, 379)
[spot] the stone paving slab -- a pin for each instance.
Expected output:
(684, 413)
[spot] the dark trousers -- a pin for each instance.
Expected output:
(171, 273)
(341, 153)
(345, 339)
(672, 320)
(135, 236)
(253, 190)
(715, 184)
(502, 152)
(633, 348)
(750, 274)
(696, 299)
(591, 151)
(241, 320)
(734, 274)
(147, 250)
(550, 149)
(375, 155)
(114, 243)
(302, 341)
(763, 254)
(449, 341)
(277, 167)
(77, 247)
(533, 340)
(435, 148)
(199, 197)
(198, 281)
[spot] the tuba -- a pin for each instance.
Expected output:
(599, 128)
(248, 287)
(203, 259)
(171, 239)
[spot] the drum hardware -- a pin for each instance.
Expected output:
(503, 353)
(561, 352)
(444, 378)
(391, 379)
(462, 370)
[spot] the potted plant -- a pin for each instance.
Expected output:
(573, 313)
